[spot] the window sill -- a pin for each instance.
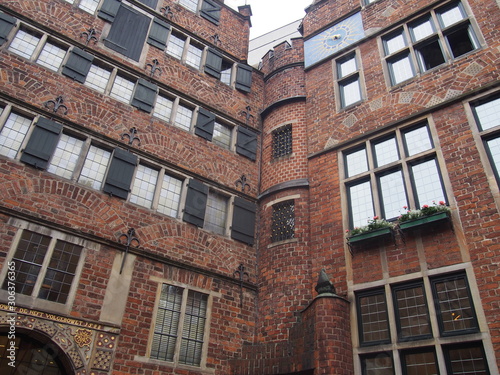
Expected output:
(284, 242)
(158, 362)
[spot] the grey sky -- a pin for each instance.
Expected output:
(271, 14)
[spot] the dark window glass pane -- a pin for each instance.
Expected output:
(194, 328)
(430, 55)
(421, 362)
(60, 272)
(466, 359)
(378, 364)
(373, 321)
(282, 141)
(412, 313)
(454, 305)
(167, 323)
(461, 41)
(283, 221)
(28, 259)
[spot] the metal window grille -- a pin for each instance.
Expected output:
(282, 141)
(283, 222)
(373, 318)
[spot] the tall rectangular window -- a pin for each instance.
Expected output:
(425, 44)
(89, 5)
(45, 267)
(183, 117)
(25, 43)
(402, 171)
(143, 188)
(122, 89)
(216, 213)
(180, 325)
(348, 80)
(13, 134)
(282, 141)
(66, 155)
(283, 221)
(192, 5)
(51, 56)
(175, 46)
(94, 168)
(222, 135)
(486, 114)
(98, 78)
(170, 196)
(163, 108)
(193, 56)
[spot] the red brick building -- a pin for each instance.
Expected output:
(167, 208)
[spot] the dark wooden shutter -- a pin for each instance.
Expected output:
(158, 34)
(210, 10)
(144, 95)
(78, 65)
(42, 143)
(243, 226)
(108, 10)
(128, 32)
(120, 173)
(149, 3)
(213, 63)
(196, 203)
(205, 124)
(244, 77)
(246, 143)
(6, 25)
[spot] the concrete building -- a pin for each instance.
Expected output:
(167, 209)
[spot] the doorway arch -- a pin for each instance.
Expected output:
(35, 353)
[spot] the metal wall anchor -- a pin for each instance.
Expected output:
(89, 35)
(129, 238)
(57, 103)
(131, 136)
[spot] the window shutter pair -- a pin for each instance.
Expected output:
(246, 143)
(7, 23)
(210, 10)
(243, 225)
(213, 67)
(144, 95)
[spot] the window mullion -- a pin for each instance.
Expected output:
(39, 47)
(158, 187)
(81, 160)
(44, 268)
(377, 208)
(187, 43)
(180, 327)
(111, 81)
(5, 115)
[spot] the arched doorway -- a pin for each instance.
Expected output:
(34, 354)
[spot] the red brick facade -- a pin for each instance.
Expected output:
(262, 311)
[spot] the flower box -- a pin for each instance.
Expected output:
(424, 220)
(369, 235)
